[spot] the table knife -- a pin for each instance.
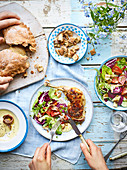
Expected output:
(74, 126)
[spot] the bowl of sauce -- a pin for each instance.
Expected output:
(13, 126)
(9, 125)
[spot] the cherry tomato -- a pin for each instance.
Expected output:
(116, 69)
(48, 112)
(55, 113)
(124, 91)
(122, 79)
(115, 80)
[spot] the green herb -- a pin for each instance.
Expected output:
(51, 93)
(106, 70)
(105, 18)
(121, 63)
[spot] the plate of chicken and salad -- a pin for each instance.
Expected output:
(61, 97)
(111, 83)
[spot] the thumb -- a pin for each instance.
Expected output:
(85, 150)
(1, 40)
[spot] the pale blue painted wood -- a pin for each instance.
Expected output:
(89, 74)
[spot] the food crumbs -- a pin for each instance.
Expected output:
(32, 72)
(45, 75)
(93, 52)
(25, 75)
(88, 58)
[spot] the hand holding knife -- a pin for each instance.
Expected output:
(75, 128)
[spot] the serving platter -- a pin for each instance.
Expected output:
(16, 141)
(39, 57)
(89, 109)
(109, 103)
(82, 45)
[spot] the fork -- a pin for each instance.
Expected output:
(54, 128)
(122, 136)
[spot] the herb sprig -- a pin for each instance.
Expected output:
(105, 18)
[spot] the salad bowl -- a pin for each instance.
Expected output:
(110, 83)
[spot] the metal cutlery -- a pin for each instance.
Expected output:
(74, 126)
(122, 136)
(54, 128)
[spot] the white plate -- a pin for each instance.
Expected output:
(109, 103)
(82, 45)
(16, 141)
(89, 109)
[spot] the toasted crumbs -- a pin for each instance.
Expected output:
(37, 57)
(75, 57)
(45, 75)
(25, 75)
(88, 53)
(30, 57)
(93, 52)
(40, 68)
(88, 58)
(32, 72)
(35, 66)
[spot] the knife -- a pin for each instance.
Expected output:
(74, 126)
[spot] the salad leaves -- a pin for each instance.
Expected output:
(111, 82)
(47, 108)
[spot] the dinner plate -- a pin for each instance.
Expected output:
(108, 103)
(16, 141)
(82, 45)
(89, 109)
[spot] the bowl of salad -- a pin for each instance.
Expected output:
(111, 83)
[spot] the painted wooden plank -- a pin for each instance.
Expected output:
(49, 13)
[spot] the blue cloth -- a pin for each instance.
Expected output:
(70, 150)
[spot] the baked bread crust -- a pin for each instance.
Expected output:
(20, 35)
(12, 63)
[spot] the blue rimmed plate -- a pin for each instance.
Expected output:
(18, 139)
(109, 103)
(82, 45)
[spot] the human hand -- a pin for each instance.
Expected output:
(95, 158)
(4, 83)
(42, 158)
(7, 19)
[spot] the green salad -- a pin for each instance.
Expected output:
(111, 82)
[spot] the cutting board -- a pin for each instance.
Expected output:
(39, 57)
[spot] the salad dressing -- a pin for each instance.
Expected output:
(7, 133)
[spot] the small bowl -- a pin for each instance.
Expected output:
(109, 103)
(18, 139)
(82, 45)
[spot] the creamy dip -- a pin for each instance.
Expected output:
(66, 127)
(7, 133)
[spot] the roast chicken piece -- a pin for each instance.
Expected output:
(76, 109)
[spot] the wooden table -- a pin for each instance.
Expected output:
(50, 13)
